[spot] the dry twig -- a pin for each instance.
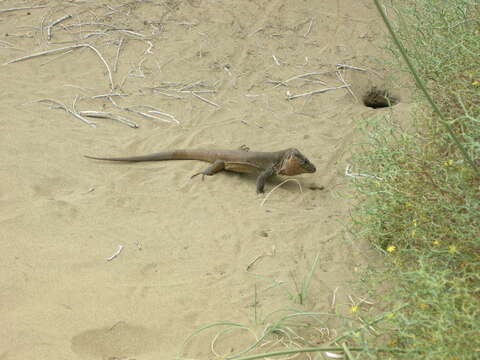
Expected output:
(55, 22)
(320, 91)
(2, 11)
(59, 105)
(116, 253)
(106, 115)
(55, 51)
(276, 187)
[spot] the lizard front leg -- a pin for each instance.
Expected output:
(216, 167)
(263, 176)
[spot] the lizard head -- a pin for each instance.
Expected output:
(295, 163)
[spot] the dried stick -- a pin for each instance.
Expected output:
(290, 97)
(117, 56)
(116, 253)
(146, 114)
(309, 28)
(62, 106)
(340, 77)
(55, 58)
(49, 29)
(276, 187)
(54, 51)
(189, 86)
(105, 115)
(299, 77)
(276, 60)
(344, 66)
(334, 297)
(203, 99)
(22, 8)
(355, 175)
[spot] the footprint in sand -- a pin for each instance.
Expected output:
(121, 341)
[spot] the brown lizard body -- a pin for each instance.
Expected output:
(265, 164)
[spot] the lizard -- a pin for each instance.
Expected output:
(266, 164)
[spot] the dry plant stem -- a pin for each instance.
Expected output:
(340, 77)
(345, 66)
(115, 64)
(107, 95)
(299, 77)
(334, 297)
(145, 114)
(189, 86)
(276, 60)
(320, 91)
(203, 99)
(356, 175)
(260, 257)
(54, 51)
(212, 343)
(55, 58)
(348, 354)
(64, 107)
(22, 8)
(165, 94)
(276, 187)
(105, 115)
(309, 29)
(49, 29)
(116, 253)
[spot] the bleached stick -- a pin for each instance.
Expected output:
(298, 77)
(49, 29)
(22, 8)
(340, 77)
(276, 187)
(117, 56)
(344, 66)
(146, 114)
(290, 97)
(116, 253)
(105, 115)
(309, 28)
(54, 51)
(206, 100)
(64, 107)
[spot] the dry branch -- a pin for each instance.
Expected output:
(22, 8)
(291, 97)
(54, 51)
(59, 105)
(55, 22)
(105, 115)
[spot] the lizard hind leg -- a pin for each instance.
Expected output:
(216, 167)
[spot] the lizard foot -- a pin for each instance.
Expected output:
(200, 173)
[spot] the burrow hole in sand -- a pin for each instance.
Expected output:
(379, 98)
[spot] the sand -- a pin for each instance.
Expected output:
(186, 242)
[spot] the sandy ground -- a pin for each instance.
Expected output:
(186, 243)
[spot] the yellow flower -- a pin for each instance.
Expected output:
(353, 308)
(413, 232)
(408, 204)
(391, 248)
(475, 83)
(452, 249)
(448, 163)
(436, 242)
(414, 222)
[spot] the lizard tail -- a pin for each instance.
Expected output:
(160, 156)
